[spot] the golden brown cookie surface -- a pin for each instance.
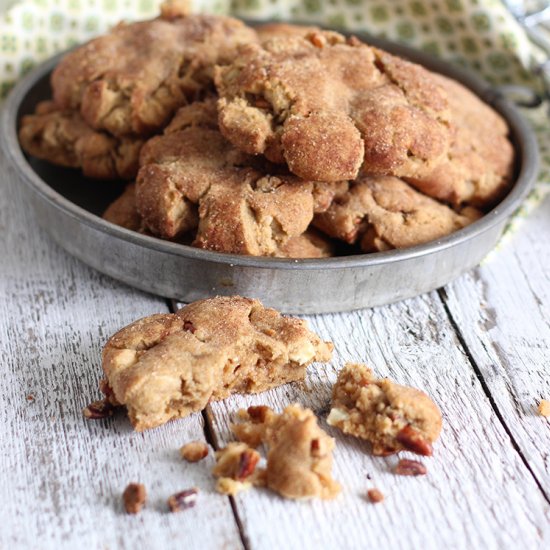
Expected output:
(169, 365)
(329, 108)
(193, 178)
(131, 80)
(384, 212)
(62, 137)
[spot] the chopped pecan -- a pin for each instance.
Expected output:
(375, 495)
(414, 442)
(98, 409)
(315, 447)
(247, 464)
(194, 451)
(183, 500)
(189, 327)
(406, 467)
(134, 498)
(258, 413)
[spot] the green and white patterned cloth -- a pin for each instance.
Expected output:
(478, 34)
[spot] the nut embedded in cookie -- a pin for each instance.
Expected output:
(392, 417)
(167, 366)
(299, 456)
(235, 468)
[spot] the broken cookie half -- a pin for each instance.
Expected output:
(167, 366)
(392, 417)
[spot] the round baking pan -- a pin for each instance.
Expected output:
(68, 206)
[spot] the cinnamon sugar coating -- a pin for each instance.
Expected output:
(167, 366)
(131, 80)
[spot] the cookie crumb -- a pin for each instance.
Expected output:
(375, 496)
(544, 408)
(98, 409)
(134, 498)
(194, 451)
(406, 467)
(235, 468)
(183, 500)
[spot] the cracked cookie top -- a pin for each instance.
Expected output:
(193, 178)
(331, 108)
(62, 137)
(168, 365)
(131, 80)
(384, 212)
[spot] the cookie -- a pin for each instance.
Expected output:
(299, 452)
(193, 178)
(123, 211)
(329, 109)
(479, 166)
(167, 366)
(392, 417)
(384, 212)
(133, 79)
(62, 137)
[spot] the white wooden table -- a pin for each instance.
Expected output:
(480, 347)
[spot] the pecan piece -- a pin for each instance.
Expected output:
(194, 451)
(413, 441)
(375, 495)
(406, 467)
(183, 500)
(189, 327)
(134, 498)
(247, 464)
(98, 409)
(258, 413)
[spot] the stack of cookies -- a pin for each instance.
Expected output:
(275, 141)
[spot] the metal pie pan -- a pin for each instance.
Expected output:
(68, 207)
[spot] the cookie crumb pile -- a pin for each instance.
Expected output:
(279, 140)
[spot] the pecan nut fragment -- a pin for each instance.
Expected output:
(134, 498)
(375, 496)
(98, 409)
(414, 442)
(183, 500)
(247, 464)
(258, 413)
(189, 327)
(406, 467)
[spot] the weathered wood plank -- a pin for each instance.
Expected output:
(62, 476)
(502, 310)
(478, 493)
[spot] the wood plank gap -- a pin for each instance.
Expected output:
(212, 440)
(443, 297)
